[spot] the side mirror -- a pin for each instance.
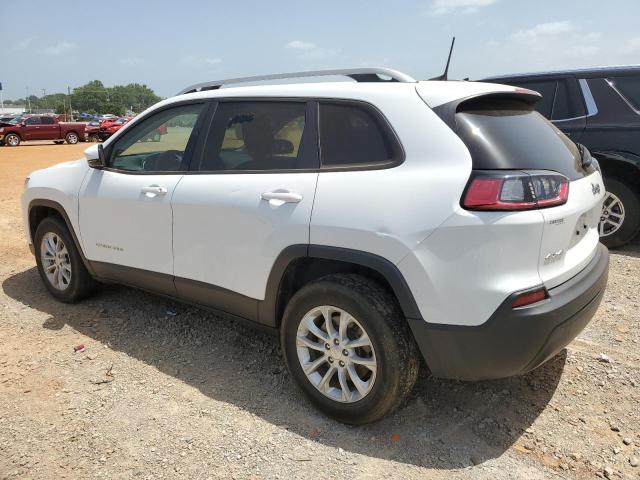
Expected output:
(95, 156)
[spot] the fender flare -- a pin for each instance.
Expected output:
(627, 158)
(41, 202)
(267, 309)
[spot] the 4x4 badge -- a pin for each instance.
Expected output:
(595, 188)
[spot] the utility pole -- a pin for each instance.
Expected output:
(70, 109)
(1, 99)
(28, 99)
(44, 94)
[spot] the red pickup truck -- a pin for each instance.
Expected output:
(40, 127)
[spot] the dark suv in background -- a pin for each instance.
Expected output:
(599, 108)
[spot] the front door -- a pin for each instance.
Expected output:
(125, 208)
(249, 198)
(31, 129)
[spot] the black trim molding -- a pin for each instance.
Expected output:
(262, 312)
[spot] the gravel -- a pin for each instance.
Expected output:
(163, 390)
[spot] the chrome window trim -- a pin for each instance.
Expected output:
(592, 108)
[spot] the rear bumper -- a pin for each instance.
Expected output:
(515, 341)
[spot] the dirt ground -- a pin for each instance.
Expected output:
(164, 390)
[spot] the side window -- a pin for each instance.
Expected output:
(46, 121)
(32, 121)
(568, 103)
(548, 92)
(255, 136)
(157, 143)
(352, 135)
(629, 87)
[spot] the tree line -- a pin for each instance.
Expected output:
(94, 97)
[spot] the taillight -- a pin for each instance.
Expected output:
(515, 191)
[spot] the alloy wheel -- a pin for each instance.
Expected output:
(336, 354)
(612, 215)
(56, 263)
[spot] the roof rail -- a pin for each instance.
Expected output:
(357, 74)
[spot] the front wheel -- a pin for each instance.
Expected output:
(12, 140)
(347, 345)
(59, 262)
(72, 138)
(620, 218)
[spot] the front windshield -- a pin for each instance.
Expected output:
(16, 120)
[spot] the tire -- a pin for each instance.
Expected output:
(79, 284)
(12, 140)
(94, 138)
(392, 348)
(620, 198)
(72, 138)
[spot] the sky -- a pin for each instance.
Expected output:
(170, 45)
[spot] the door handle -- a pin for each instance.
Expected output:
(279, 197)
(153, 190)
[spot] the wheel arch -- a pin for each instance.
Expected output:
(622, 165)
(298, 265)
(39, 209)
(13, 133)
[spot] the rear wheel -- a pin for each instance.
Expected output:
(59, 262)
(620, 219)
(12, 140)
(349, 348)
(71, 138)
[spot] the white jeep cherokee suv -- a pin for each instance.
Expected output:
(365, 222)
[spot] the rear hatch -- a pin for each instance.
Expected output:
(535, 167)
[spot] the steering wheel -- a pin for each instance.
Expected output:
(163, 161)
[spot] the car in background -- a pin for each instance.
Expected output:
(7, 118)
(111, 126)
(41, 127)
(599, 108)
(93, 131)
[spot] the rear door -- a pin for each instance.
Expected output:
(248, 199)
(49, 129)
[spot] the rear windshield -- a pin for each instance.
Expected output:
(509, 134)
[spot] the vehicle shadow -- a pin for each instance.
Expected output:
(445, 424)
(631, 249)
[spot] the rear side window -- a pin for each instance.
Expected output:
(47, 121)
(351, 135)
(567, 104)
(629, 87)
(508, 134)
(247, 136)
(546, 89)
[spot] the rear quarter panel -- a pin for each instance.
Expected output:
(388, 212)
